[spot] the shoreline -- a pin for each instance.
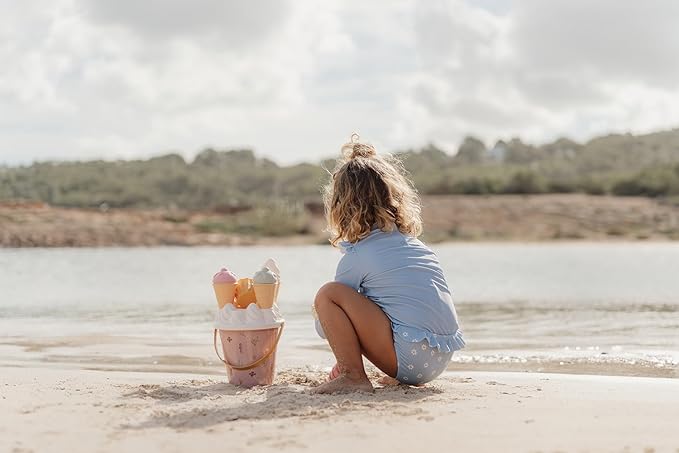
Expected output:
(159, 354)
(447, 218)
(128, 411)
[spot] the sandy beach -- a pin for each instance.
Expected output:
(86, 411)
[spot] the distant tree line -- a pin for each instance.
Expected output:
(625, 165)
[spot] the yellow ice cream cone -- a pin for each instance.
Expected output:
(225, 293)
(245, 295)
(265, 294)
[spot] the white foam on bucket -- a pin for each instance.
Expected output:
(250, 318)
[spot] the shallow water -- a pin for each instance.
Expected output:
(576, 307)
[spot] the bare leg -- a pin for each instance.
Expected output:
(354, 324)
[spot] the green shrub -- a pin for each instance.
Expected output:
(276, 219)
(652, 182)
(525, 182)
(645, 165)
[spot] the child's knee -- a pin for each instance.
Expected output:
(327, 289)
(326, 294)
(323, 295)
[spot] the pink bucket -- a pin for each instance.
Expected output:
(249, 355)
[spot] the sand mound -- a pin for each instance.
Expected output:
(201, 403)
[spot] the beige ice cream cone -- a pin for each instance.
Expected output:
(225, 293)
(265, 294)
(275, 294)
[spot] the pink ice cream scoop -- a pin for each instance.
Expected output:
(224, 276)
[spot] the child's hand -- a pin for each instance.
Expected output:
(334, 373)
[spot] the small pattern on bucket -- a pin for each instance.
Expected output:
(242, 350)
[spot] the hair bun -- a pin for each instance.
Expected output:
(361, 150)
(354, 149)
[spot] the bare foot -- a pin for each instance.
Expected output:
(388, 380)
(343, 384)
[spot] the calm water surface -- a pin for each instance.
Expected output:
(581, 303)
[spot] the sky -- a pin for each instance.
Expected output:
(292, 79)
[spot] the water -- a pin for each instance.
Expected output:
(574, 307)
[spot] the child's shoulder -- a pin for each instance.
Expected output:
(375, 238)
(380, 239)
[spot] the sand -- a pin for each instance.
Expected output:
(447, 217)
(47, 409)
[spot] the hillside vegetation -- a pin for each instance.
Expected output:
(623, 165)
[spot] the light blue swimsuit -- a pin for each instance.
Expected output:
(404, 278)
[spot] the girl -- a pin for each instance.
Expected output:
(390, 301)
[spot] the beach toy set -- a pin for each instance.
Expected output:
(248, 324)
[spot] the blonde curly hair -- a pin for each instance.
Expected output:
(367, 190)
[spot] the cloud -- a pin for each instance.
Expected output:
(234, 24)
(95, 78)
(544, 69)
(111, 92)
(618, 40)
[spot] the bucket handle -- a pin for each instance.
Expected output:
(254, 364)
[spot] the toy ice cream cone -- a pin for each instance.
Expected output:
(273, 267)
(224, 284)
(266, 287)
(225, 293)
(245, 293)
(275, 295)
(266, 294)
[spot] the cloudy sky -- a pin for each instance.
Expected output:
(292, 79)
